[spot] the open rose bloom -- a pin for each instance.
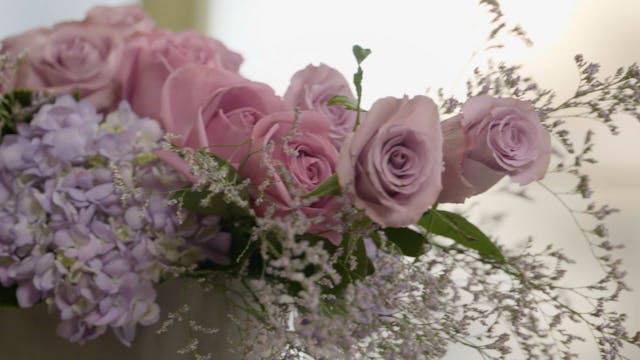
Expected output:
(70, 57)
(312, 87)
(81, 57)
(289, 163)
(391, 166)
(492, 138)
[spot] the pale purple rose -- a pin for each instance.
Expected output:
(311, 162)
(67, 58)
(392, 165)
(312, 87)
(215, 109)
(126, 19)
(493, 137)
(150, 58)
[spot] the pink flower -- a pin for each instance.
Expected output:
(70, 57)
(493, 137)
(311, 162)
(126, 19)
(391, 167)
(150, 59)
(215, 109)
(312, 87)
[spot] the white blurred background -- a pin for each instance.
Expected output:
(422, 44)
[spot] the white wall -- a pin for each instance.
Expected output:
(17, 16)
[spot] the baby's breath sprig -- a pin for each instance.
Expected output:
(9, 64)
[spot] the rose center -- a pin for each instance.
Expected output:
(75, 58)
(309, 170)
(399, 158)
(402, 160)
(512, 142)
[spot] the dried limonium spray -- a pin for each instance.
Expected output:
(603, 100)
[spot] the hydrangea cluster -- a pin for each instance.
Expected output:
(78, 231)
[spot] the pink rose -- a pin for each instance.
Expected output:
(392, 165)
(312, 87)
(150, 59)
(493, 137)
(126, 19)
(70, 57)
(215, 109)
(312, 163)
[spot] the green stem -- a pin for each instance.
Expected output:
(358, 109)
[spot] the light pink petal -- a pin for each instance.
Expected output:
(481, 177)
(324, 77)
(183, 95)
(455, 189)
(476, 108)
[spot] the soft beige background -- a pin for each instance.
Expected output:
(30, 334)
(417, 44)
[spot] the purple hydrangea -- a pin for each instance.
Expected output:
(84, 220)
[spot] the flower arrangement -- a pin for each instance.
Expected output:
(130, 155)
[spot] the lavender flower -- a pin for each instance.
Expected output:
(85, 224)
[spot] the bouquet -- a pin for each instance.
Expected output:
(132, 155)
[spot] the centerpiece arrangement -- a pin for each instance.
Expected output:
(130, 155)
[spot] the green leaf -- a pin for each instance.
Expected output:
(192, 200)
(19, 106)
(315, 238)
(376, 238)
(351, 247)
(330, 186)
(410, 242)
(360, 53)
(21, 97)
(242, 249)
(10, 103)
(8, 297)
(216, 205)
(236, 220)
(344, 101)
(459, 229)
(233, 174)
(331, 308)
(357, 82)
(364, 265)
